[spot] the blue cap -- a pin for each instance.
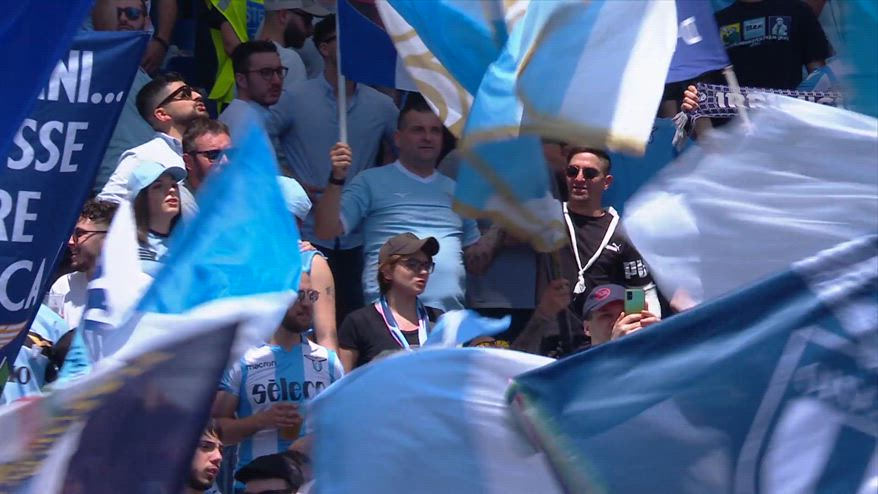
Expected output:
(296, 199)
(148, 172)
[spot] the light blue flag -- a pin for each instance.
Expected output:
(457, 327)
(861, 37)
(771, 389)
(461, 438)
(243, 241)
(503, 175)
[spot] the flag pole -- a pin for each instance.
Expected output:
(342, 98)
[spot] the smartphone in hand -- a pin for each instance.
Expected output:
(635, 300)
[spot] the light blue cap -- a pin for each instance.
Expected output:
(148, 172)
(295, 197)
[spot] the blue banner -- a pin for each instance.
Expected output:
(35, 35)
(51, 165)
(771, 389)
(367, 53)
(699, 48)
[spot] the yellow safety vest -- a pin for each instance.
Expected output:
(235, 11)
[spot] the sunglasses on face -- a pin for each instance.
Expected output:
(183, 93)
(311, 295)
(132, 13)
(329, 39)
(213, 154)
(80, 235)
(589, 173)
(417, 266)
(268, 72)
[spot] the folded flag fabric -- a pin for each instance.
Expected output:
(748, 201)
(456, 434)
(770, 389)
(716, 100)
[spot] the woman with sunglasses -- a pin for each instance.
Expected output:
(397, 320)
(155, 193)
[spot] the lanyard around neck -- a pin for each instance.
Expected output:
(580, 278)
(384, 309)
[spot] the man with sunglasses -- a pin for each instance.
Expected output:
(288, 24)
(67, 296)
(261, 398)
(599, 251)
(169, 106)
(205, 144)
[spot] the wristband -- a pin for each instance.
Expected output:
(161, 41)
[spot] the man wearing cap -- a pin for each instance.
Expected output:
(398, 320)
(306, 121)
(169, 105)
(276, 473)
(603, 319)
(261, 399)
(288, 24)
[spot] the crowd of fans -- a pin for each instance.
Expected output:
(384, 254)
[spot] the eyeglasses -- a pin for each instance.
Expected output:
(417, 266)
(308, 18)
(311, 295)
(182, 93)
(268, 72)
(79, 233)
(329, 39)
(589, 173)
(213, 154)
(132, 13)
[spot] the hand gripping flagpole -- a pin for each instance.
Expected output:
(342, 98)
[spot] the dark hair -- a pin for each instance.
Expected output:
(141, 214)
(200, 127)
(99, 211)
(413, 102)
(601, 154)
(241, 54)
(147, 97)
(213, 428)
(324, 29)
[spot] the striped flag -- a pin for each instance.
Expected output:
(771, 389)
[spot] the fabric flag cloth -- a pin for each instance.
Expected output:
(596, 74)
(770, 389)
(131, 425)
(457, 327)
(456, 432)
(24, 70)
(746, 203)
(55, 153)
(243, 242)
(447, 65)
(861, 37)
(716, 100)
(699, 47)
(367, 52)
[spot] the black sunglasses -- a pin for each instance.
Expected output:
(213, 154)
(590, 173)
(132, 13)
(183, 93)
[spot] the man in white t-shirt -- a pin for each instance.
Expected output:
(67, 296)
(288, 24)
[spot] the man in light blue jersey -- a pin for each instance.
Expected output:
(260, 403)
(406, 196)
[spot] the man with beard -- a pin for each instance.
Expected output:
(169, 105)
(259, 79)
(206, 462)
(261, 398)
(67, 296)
(288, 24)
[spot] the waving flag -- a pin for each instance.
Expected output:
(770, 389)
(740, 206)
(367, 53)
(596, 75)
(463, 441)
(132, 422)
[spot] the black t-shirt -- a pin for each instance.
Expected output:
(769, 42)
(619, 262)
(364, 330)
